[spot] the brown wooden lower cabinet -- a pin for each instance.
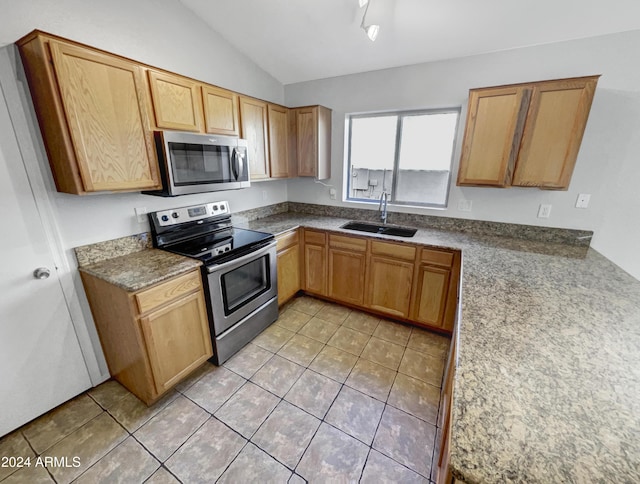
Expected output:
(389, 286)
(404, 281)
(347, 265)
(288, 247)
(435, 288)
(390, 277)
(443, 473)
(152, 338)
(315, 262)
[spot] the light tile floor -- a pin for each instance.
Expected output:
(325, 394)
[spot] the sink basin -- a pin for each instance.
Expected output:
(380, 229)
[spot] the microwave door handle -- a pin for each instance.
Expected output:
(240, 158)
(234, 163)
(237, 164)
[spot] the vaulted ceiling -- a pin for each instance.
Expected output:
(300, 40)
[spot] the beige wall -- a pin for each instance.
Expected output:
(607, 166)
(162, 33)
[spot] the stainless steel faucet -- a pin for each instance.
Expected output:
(383, 207)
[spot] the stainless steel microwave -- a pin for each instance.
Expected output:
(197, 163)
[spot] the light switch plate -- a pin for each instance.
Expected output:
(583, 200)
(332, 193)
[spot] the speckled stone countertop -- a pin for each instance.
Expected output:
(135, 271)
(547, 387)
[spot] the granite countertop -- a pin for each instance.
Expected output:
(141, 269)
(547, 386)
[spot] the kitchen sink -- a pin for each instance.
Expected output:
(380, 229)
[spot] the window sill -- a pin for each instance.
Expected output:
(410, 206)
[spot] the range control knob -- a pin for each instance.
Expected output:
(215, 208)
(164, 218)
(175, 214)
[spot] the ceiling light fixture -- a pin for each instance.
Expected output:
(371, 30)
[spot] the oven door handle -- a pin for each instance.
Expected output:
(240, 260)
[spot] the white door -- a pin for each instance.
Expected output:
(41, 364)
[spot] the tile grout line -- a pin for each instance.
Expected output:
(131, 434)
(386, 404)
(294, 470)
(305, 367)
(36, 454)
(343, 384)
(248, 440)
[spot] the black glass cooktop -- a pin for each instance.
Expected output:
(221, 244)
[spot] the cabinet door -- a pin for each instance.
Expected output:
(288, 273)
(177, 339)
(442, 471)
(389, 285)
(279, 141)
(253, 123)
(315, 269)
(307, 141)
(346, 275)
(176, 102)
(315, 261)
(553, 133)
(104, 103)
(495, 120)
(220, 111)
(431, 292)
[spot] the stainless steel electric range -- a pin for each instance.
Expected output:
(238, 271)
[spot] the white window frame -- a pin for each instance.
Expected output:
(396, 159)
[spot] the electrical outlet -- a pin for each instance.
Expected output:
(583, 200)
(544, 211)
(464, 205)
(141, 214)
(332, 193)
(264, 195)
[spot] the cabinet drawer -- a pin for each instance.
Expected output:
(313, 237)
(397, 251)
(167, 291)
(437, 257)
(349, 243)
(287, 240)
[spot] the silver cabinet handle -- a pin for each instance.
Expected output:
(41, 273)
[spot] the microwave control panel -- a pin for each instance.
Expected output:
(193, 213)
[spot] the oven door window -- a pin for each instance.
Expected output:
(245, 283)
(194, 164)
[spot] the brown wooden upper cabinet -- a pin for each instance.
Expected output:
(280, 155)
(253, 128)
(220, 111)
(526, 134)
(97, 112)
(180, 103)
(176, 102)
(313, 141)
(92, 111)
